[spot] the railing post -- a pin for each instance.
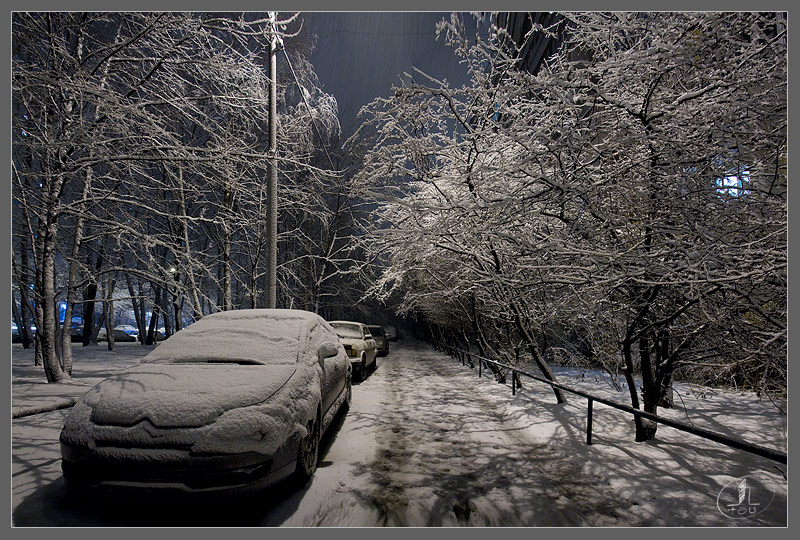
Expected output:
(513, 382)
(480, 366)
(589, 422)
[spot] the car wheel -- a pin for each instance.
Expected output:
(348, 394)
(308, 454)
(362, 368)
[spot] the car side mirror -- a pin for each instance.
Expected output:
(326, 350)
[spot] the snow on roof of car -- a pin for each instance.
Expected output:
(343, 323)
(263, 336)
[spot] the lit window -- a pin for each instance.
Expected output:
(734, 185)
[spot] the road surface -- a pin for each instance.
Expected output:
(426, 443)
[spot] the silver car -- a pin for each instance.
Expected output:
(359, 344)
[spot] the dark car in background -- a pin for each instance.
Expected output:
(15, 335)
(391, 333)
(381, 341)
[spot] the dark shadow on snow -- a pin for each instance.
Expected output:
(425, 447)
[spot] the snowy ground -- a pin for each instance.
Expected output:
(428, 443)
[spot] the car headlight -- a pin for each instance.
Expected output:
(352, 353)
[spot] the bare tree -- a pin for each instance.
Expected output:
(632, 189)
(126, 124)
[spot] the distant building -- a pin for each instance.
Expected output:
(539, 45)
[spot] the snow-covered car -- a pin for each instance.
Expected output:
(229, 405)
(128, 329)
(122, 332)
(130, 333)
(391, 333)
(360, 346)
(381, 341)
(119, 335)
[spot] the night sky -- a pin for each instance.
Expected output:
(360, 55)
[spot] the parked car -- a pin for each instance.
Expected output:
(126, 332)
(128, 329)
(75, 330)
(119, 335)
(391, 333)
(360, 346)
(381, 342)
(121, 330)
(15, 335)
(229, 405)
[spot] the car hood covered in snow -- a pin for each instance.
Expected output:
(182, 395)
(205, 408)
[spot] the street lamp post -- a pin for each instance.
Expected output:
(272, 179)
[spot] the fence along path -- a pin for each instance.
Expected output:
(769, 453)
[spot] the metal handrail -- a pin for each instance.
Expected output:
(762, 451)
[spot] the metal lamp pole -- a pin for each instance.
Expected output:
(272, 178)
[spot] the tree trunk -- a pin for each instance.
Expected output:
(664, 368)
(66, 339)
(88, 306)
(484, 347)
(650, 389)
(141, 320)
(151, 330)
(176, 304)
(111, 284)
(465, 339)
(533, 347)
(154, 317)
(227, 273)
(100, 321)
(666, 395)
(137, 308)
(15, 317)
(24, 322)
(38, 356)
(163, 303)
(642, 427)
(189, 282)
(46, 307)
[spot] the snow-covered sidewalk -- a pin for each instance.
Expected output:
(92, 365)
(428, 443)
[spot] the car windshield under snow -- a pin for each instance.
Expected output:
(232, 341)
(347, 330)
